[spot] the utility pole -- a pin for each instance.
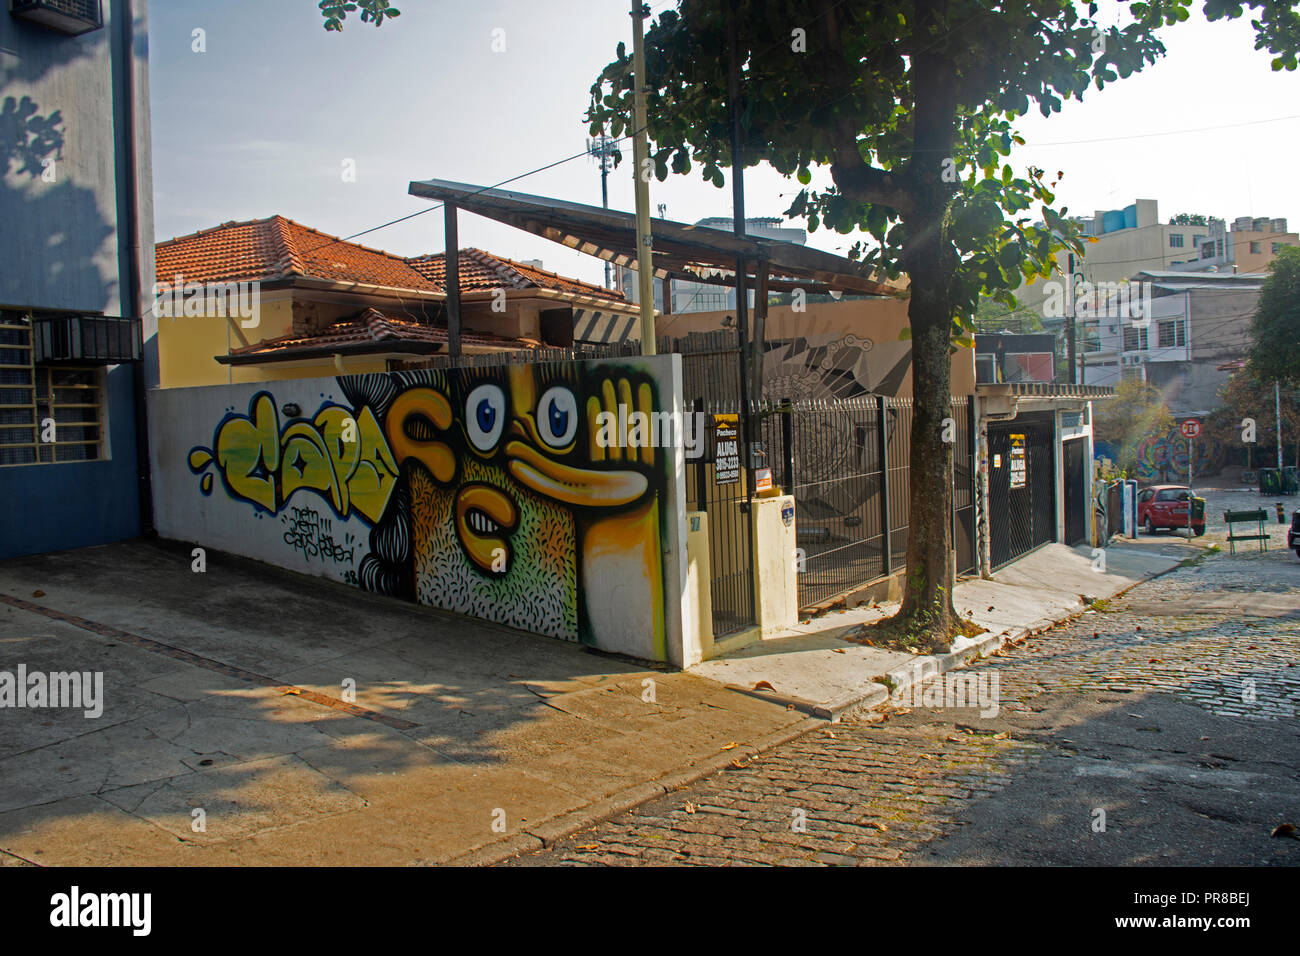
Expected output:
(738, 201)
(604, 151)
(640, 158)
(1277, 410)
(1070, 328)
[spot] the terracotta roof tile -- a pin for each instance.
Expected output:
(279, 248)
(372, 326)
(481, 270)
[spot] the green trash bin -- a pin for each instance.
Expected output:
(1290, 481)
(1270, 481)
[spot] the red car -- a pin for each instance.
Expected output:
(1165, 506)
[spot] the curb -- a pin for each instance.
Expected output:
(546, 834)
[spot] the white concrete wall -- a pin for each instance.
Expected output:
(575, 553)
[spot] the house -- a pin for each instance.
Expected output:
(76, 338)
(1122, 242)
(272, 299)
(1247, 247)
(1189, 326)
(1008, 357)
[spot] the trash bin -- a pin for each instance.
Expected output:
(1290, 481)
(1270, 481)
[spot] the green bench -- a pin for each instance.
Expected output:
(1242, 517)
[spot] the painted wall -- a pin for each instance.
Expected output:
(834, 349)
(64, 244)
(81, 503)
(481, 491)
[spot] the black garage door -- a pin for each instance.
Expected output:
(1022, 482)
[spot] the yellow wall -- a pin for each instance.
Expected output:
(188, 346)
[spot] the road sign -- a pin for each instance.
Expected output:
(1191, 428)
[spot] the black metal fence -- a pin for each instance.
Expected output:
(847, 464)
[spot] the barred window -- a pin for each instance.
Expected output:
(48, 413)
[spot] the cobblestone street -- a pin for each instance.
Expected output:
(1160, 728)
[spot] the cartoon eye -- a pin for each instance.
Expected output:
(485, 415)
(557, 417)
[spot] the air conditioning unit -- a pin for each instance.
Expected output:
(73, 17)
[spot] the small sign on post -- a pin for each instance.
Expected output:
(726, 449)
(1190, 428)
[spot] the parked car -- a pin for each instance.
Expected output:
(1165, 506)
(1293, 533)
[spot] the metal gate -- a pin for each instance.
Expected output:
(1022, 480)
(711, 384)
(1075, 496)
(847, 463)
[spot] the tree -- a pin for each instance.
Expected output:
(910, 105)
(372, 11)
(1275, 327)
(1248, 410)
(1136, 413)
(1188, 219)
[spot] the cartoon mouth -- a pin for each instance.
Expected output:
(485, 519)
(573, 486)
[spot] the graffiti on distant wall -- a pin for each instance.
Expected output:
(484, 491)
(1164, 457)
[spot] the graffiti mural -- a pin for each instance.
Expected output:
(482, 491)
(1164, 457)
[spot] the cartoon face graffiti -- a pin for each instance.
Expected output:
(487, 492)
(505, 469)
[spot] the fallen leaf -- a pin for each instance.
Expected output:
(990, 607)
(731, 746)
(589, 846)
(1002, 736)
(690, 807)
(877, 824)
(763, 685)
(739, 765)
(38, 593)
(1250, 647)
(1286, 830)
(840, 650)
(926, 756)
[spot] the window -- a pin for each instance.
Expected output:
(1277, 247)
(48, 413)
(1168, 494)
(1175, 240)
(1146, 496)
(1198, 241)
(1135, 340)
(1207, 250)
(1172, 334)
(1256, 248)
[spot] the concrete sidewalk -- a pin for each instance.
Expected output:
(815, 669)
(224, 694)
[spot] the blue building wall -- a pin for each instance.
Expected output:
(76, 504)
(64, 242)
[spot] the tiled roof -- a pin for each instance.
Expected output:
(279, 248)
(481, 270)
(373, 327)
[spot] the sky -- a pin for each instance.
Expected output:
(263, 120)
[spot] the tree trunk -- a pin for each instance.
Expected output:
(931, 262)
(931, 569)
